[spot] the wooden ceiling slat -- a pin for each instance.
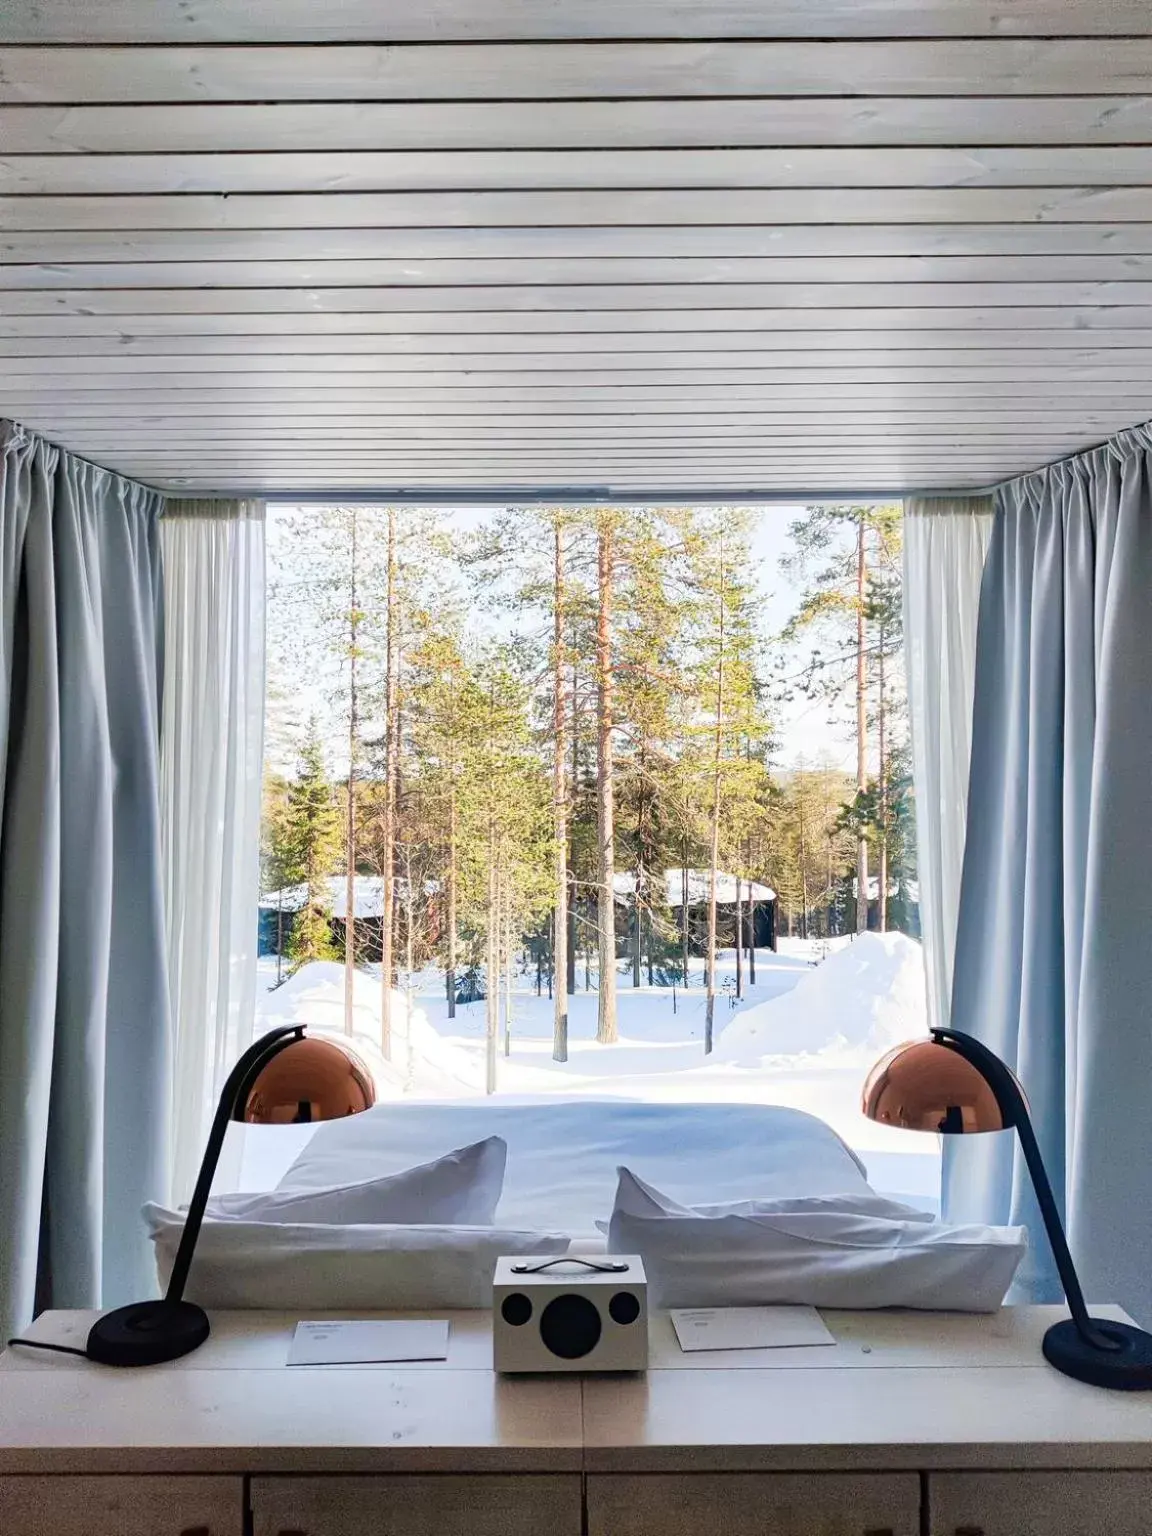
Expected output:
(292, 428)
(333, 310)
(54, 173)
(636, 395)
(491, 280)
(638, 206)
(638, 399)
(818, 243)
(258, 21)
(360, 449)
(756, 121)
(180, 334)
(357, 354)
(113, 370)
(879, 415)
(549, 71)
(570, 298)
(110, 174)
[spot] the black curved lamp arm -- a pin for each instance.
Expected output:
(233, 1094)
(1014, 1112)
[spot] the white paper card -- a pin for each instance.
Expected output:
(748, 1327)
(365, 1343)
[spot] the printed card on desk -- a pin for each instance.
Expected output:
(748, 1327)
(367, 1343)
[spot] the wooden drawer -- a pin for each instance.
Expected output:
(525, 1505)
(1040, 1504)
(754, 1504)
(121, 1506)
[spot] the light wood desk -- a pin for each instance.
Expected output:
(952, 1421)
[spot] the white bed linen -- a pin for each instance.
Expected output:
(563, 1153)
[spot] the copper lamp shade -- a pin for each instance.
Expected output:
(926, 1086)
(309, 1081)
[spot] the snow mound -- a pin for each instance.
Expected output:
(422, 1062)
(858, 1003)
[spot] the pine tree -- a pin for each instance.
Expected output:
(559, 794)
(310, 851)
(836, 551)
(607, 1029)
(729, 712)
(653, 607)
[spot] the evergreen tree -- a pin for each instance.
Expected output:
(842, 555)
(310, 848)
(728, 707)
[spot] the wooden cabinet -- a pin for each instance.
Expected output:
(754, 1504)
(495, 1505)
(1040, 1504)
(121, 1506)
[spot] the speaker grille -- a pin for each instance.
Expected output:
(570, 1327)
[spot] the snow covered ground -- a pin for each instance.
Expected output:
(804, 1036)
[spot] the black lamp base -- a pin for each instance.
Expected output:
(1125, 1369)
(148, 1333)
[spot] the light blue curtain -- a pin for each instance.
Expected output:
(1053, 962)
(84, 1048)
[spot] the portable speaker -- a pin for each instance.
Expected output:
(570, 1314)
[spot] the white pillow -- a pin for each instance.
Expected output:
(357, 1268)
(818, 1257)
(460, 1189)
(635, 1197)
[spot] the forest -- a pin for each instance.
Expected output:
(527, 730)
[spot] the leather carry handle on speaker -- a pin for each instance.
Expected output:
(603, 1267)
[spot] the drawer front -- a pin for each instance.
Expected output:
(1040, 1504)
(754, 1504)
(121, 1506)
(528, 1505)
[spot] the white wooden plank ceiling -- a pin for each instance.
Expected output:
(564, 247)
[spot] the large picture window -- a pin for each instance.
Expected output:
(578, 800)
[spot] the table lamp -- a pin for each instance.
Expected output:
(952, 1084)
(285, 1078)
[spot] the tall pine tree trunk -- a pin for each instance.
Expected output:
(409, 938)
(573, 936)
(507, 977)
(751, 912)
(861, 724)
(353, 733)
(606, 1026)
(883, 783)
(684, 910)
(739, 936)
(450, 969)
(637, 923)
(714, 833)
(559, 807)
(492, 969)
(388, 838)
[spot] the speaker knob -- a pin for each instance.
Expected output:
(570, 1327)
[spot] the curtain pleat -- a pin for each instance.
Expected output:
(84, 1038)
(212, 758)
(1052, 969)
(945, 544)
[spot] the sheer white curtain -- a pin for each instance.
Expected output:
(212, 743)
(945, 544)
